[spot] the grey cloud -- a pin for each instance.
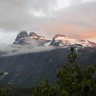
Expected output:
(82, 16)
(14, 13)
(14, 16)
(16, 50)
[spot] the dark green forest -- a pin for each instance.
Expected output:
(72, 80)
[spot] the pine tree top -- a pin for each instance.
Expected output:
(72, 56)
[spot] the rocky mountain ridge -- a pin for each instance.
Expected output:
(58, 40)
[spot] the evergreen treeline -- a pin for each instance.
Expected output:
(72, 80)
(15, 91)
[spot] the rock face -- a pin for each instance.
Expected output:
(35, 36)
(20, 36)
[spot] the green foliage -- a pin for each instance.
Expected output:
(44, 89)
(5, 91)
(1, 73)
(72, 80)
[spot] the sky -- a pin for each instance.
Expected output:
(73, 18)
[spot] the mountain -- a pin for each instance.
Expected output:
(62, 40)
(32, 58)
(26, 70)
(58, 40)
(23, 38)
(28, 43)
(91, 59)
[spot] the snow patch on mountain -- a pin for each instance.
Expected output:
(62, 40)
(65, 40)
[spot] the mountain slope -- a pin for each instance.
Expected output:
(91, 59)
(27, 70)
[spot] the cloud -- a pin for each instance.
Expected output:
(89, 35)
(14, 14)
(74, 21)
(18, 50)
(42, 17)
(6, 37)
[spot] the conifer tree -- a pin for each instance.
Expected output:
(1, 73)
(75, 81)
(44, 89)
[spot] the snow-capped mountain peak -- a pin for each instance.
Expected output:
(87, 43)
(62, 40)
(31, 39)
(21, 34)
(58, 40)
(59, 35)
(35, 36)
